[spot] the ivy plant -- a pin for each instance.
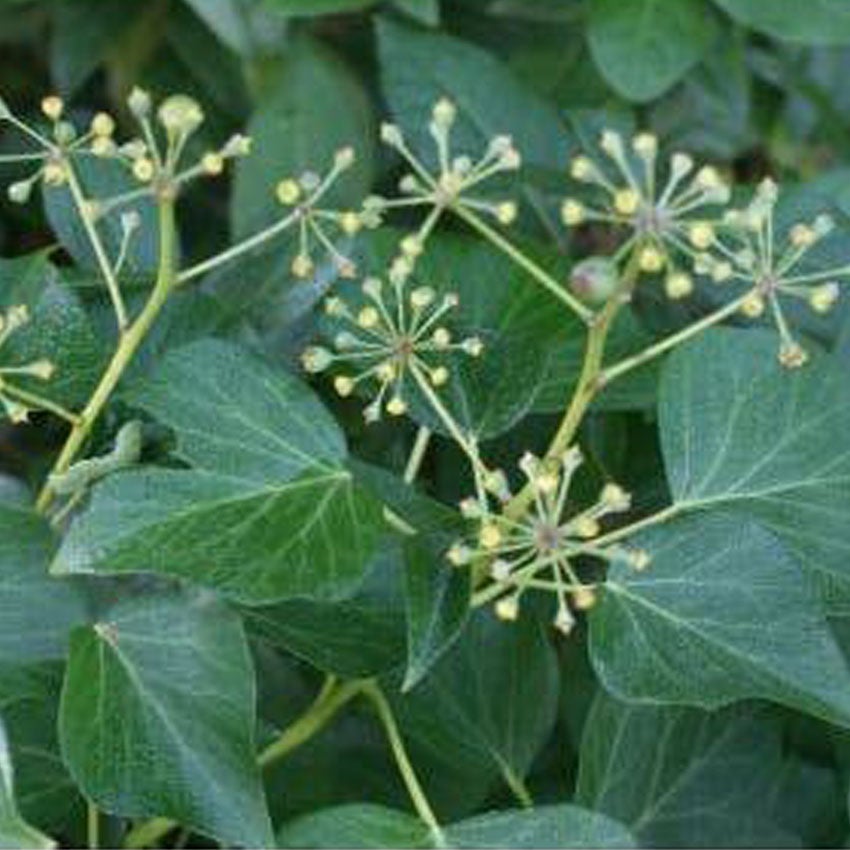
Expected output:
(421, 434)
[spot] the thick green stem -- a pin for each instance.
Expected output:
(93, 826)
(128, 344)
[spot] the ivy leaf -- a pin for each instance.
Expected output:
(643, 47)
(14, 831)
(313, 8)
(58, 329)
(356, 825)
(157, 716)
(681, 777)
(491, 100)
(437, 608)
(313, 106)
(268, 511)
(544, 827)
(29, 705)
(353, 638)
(361, 825)
(740, 432)
(815, 22)
(36, 611)
(486, 708)
(721, 614)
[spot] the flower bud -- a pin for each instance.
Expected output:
(822, 298)
(180, 115)
(595, 279)
(53, 106)
(316, 359)
(139, 103)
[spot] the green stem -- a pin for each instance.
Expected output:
(330, 700)
(588, 385)
(128, 344)
(539, 274)
(149, 833)
(414, 789)
(93, 826)
(38, 402)
(663, 515)
(417, 454)
(237, 250)
(97, 246)
(664, 345)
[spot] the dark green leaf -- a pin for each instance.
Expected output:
(487, 707)
(721, 614)
(14, 831)
(311, 8)
(356, 825)
(353, 638)
(29, 705)
(490, 100)
(681, 777)
(59, 330)
(36, 611)
(643, 47)
(813, 22)
(544, 827)
(313, 107)
(157, 716)
(268, 511)
(740, 432)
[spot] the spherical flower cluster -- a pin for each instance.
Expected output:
(148, 160)
(750, 251)
(539, 550)
(395, 332)
(450, 186)
(302, 195)
(666, 219)
(17, 402)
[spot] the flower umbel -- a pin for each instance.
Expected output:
(17, 402)
(451, 185)
(665, 218)
(756, 255)
(303, 195)
(393, 333)
(539, 551)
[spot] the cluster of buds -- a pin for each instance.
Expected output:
(392, 334)
(449, 187)
(541, 550)
(302, 195)
(665, 218)
(150, 161)
(16, 402)
(750, 252)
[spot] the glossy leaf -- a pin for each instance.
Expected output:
(643, 47)
(721, 614)
(268, 511)
(157, 716)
